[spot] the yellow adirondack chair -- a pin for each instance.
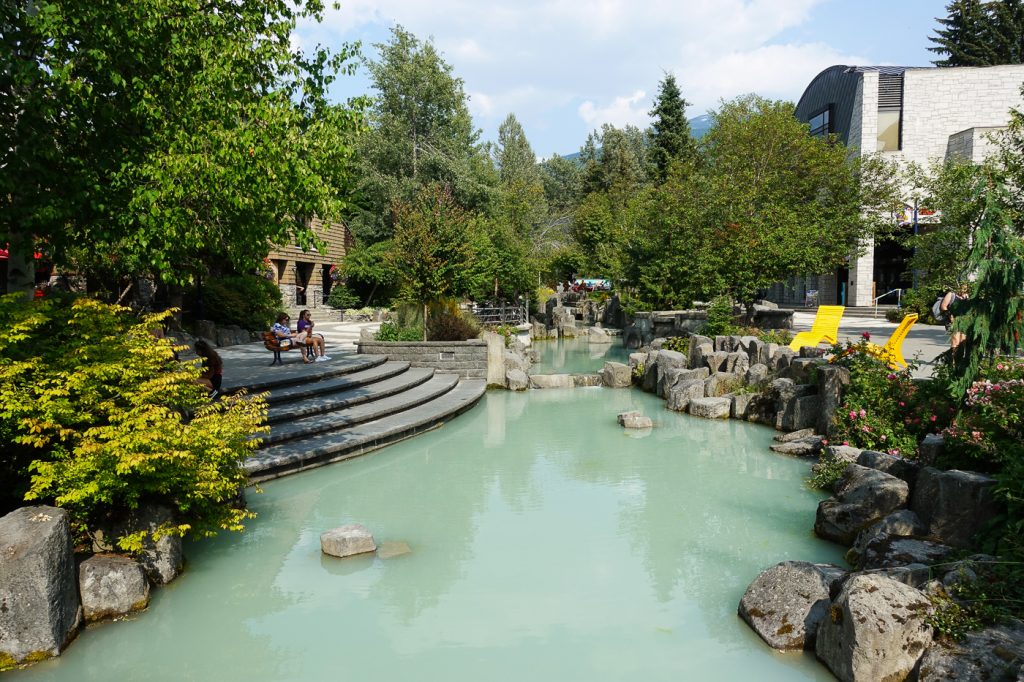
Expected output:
(825, 328)
(892, 352)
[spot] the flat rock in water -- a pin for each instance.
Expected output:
(392, 548)
(637, 422)
(551, 381)
(347, 540)
(803, 447)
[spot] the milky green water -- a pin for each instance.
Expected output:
(576, 356)
(547, 544)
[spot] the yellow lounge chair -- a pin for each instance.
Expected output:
(825, 328)
(892, 352)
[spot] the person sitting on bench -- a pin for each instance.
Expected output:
(285, 337)
(305, 329)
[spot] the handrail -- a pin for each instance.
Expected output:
(899, 299)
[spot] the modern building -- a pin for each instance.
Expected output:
(305, 277)
(910, 115)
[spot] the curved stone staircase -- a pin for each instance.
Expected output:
(332, 411)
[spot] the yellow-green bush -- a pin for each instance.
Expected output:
(103, 419)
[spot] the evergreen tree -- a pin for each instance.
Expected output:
(671, 140)
(515, 157)
(991, 318)
(977, 33)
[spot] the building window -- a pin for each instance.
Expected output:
(821, 123)
(890, 112)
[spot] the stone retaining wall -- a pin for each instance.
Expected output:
(468, 359)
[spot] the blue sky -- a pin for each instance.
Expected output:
(564, 67)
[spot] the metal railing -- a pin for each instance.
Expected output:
(899, 299)
(501, 314)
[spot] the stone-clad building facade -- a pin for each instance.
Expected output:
(909, 115)
(305, 277)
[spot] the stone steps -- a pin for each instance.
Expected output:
(286, 401)
(289, 457)
(352, 404)
(304, 428)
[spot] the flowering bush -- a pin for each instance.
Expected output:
(884, 410)
(989, 430)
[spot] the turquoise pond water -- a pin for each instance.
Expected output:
(574, 356)
(547, 544)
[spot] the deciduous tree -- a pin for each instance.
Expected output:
(162, 133)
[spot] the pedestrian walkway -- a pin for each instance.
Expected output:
(923, 343)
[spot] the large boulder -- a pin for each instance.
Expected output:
(741, 403)
(682, 393)
(711, 408)
(902, 523)
(799, 412)
(517, 380)
(676, 375)
(699, 347)
(514, 360)
(163, 559)
(666, 360)
(995, 653)
(832, 383)
(717, 361)
(863, 497)
(112, 586)
(616, 375)
(717, 385)
(598, 336)
(347, 540)
(649, 382)
(758, 373)
(787, 602)
(902, 469)
(954, 504)
(930, 448)
(39, 608)
(876, 630)
(892, 551)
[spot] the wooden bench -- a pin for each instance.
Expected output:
(273, 344)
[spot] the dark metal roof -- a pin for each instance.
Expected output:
(836, 88)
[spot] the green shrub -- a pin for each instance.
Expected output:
(390, 331)
(781, 337)
(721, 319)
(114, 422)
(506, 330)
(246, 300)
(826, 472)
(680, 344)
(342, 298)
(447, 322)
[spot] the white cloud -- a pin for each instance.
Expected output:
(622, 111)
(777, 71)
(560, 65)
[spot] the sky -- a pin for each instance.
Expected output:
(565, 67)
